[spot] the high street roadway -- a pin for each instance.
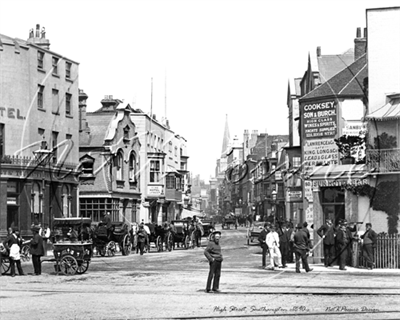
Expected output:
(170, 285)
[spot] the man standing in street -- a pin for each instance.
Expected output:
(301, 248)
(262, 239)
(214, 256)
(343, 239)
(369, 244)
(272, 240)
(37, 250)
(284, 240)
(327, 232)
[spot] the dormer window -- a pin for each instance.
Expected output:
(126, 133)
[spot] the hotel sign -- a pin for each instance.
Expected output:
(155, 191)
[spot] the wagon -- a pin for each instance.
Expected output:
(208, 228)
(108, 241)
(227, 222)
(73, 245)
(156, 236)
(253, 232)
(182, 235)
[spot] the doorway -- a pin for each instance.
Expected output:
(333, 204)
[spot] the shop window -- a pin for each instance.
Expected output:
(66, 201)
(333, 204)
(170, 182)
(95, 208)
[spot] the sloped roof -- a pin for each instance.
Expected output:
(330, 65)
(389, 111)
(98, 124)
(348, 82)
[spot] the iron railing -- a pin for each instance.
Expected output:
(383, 160)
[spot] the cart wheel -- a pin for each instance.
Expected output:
(68, 265)
(5, 265)
(186, 242)
(170, 242)
(159, 244)
(26, 253)
(82, 267)
(111, 248)
(192, 240)
(126, 245)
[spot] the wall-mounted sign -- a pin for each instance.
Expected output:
(319, 120)
(339, 182)
(308, 190)
(318, 152)
(11, 113)
(155, 191)
(294, 195)
(353, 127)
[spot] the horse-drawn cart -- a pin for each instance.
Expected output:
(108, 241)
(73, 245)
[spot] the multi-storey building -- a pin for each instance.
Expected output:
(109, 154)
(38, 132)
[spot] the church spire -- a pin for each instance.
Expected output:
(226, 139)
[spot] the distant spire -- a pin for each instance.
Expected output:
(226, 139)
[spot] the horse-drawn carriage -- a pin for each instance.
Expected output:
(180, 233)
(208, 228)
(109, 240)
(228, 221)
(159, 236)
(72, 245)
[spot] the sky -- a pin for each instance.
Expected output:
(207, 59)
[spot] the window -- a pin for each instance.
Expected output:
(95, 208)
(87, 167)
(68, 136)
(55, 65)
(154, 170)
(126, 133)
(36, 201)
(132, 167)
(40, 97)
(170, 147)
(170, 182)
(54, 137)
(2, 139)
(55, 101)
(120, 164)
(66, 202)
(333, 204)
(68, 66)
(68, 98)
(176, 151)
(40, 58)
(296, 162)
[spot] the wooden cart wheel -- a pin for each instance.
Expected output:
(26, 253)
(186, 242)
(82, 266)
(159, 244)
(68, 265)
(5, 265)
(111, 248)
(170, 242)
(126, 245)
(192, 240)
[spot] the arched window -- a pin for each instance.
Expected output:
(36, 202)
(132, 167)
(120, 165)
(66, 202)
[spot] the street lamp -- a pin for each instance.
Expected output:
(273, 202)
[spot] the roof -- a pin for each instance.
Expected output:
(98, 124)
(348, 82)
(329, 65)
(389, 111)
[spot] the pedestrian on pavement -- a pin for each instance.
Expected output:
(272, 241)
(369, 244)
(214, 256)
(284, 241)
(343, 239)
(37, 250)
(301, 246)
(262, 239)
(13, 244)
(328, 233)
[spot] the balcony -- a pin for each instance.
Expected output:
(383, 160)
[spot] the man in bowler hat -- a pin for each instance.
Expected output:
(328, 232)
(301, 248)
(214, 256)
(37, 250)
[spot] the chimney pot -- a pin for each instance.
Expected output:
(358, 35)
(318, 51)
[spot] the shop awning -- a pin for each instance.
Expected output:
(390, 111)
(346, 171)
(188, 213)
(171, 169)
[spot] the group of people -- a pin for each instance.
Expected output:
(12, 249)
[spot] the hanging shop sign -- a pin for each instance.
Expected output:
(339, 182)
(319, 152)
(155, 191)
(319, 120)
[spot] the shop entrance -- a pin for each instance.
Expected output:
(333, 204)
(12, 217)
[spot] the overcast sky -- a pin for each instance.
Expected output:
(219, 57)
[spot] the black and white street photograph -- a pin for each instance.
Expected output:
(199, 159)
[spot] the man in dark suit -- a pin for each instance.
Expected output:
(369, 244)
(301, 248)
(343, 240)
(261, 238)
(327, 232)
(284, 241)
(37, 250)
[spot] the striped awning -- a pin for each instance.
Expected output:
(390, 111)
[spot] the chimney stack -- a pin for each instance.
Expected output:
(39, 37)
(360, 44)
(318, 51)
